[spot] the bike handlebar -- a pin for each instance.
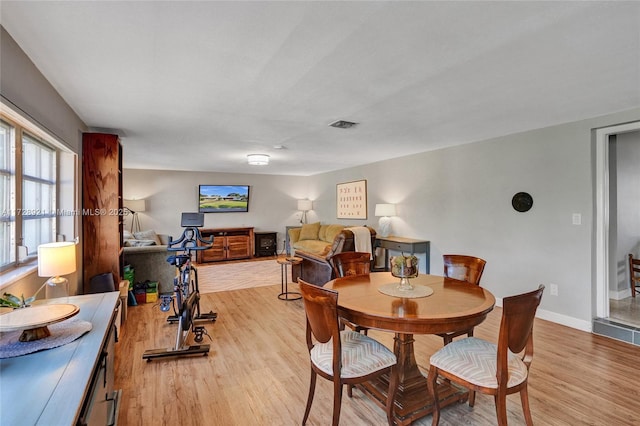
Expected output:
(189, 240)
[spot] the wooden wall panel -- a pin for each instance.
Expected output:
(102, 206)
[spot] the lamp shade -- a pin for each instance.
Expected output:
(305, 205)
(385, 210)
(55, 259)
(136, 205)
(258, 159)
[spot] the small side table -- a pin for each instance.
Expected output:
(284, 289)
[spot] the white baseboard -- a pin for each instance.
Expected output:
(565, 320)
(560, 319)
(619, 295)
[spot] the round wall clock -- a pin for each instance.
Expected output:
(522, 202)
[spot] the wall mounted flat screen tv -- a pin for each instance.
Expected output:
(223, 198)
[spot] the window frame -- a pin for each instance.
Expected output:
(8, 256)
(40, 211)
(23, 128)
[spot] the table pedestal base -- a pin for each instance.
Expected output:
(35, 334)
(412, 399)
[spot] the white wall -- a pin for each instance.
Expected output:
(272, 200)
(26, 90)
(458, 198)
(628, 207)
(24, 86)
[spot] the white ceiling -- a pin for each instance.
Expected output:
(199, 85)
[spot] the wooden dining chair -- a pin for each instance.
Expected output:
(350, 263)
(344, 357)
(463, 268)
(634, 275)
(497, 370)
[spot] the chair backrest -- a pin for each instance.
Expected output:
(321, 309)
(351, 263)
(516, 329)
(102, 283)
(463, 268)
(634, 270)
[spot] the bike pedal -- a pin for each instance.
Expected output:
(206, 333)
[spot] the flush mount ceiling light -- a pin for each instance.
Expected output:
(258, 159)
(342, 124)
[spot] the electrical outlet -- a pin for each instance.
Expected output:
(576, 219)
(553, 289)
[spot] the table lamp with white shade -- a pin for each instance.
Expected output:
(55, 260)
(385, 211)
(304, 206)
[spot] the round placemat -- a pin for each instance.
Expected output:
(61, 333)
(418, 291)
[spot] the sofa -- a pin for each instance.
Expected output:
(147, 254)
(316, 244)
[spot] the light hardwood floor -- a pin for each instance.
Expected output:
(257, 372)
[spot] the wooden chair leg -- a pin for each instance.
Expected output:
(472, 398)
(501, 408)
(432, 378)
(337, 400)
(524, 398)
(312, 389)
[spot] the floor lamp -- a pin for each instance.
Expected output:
(135, 206)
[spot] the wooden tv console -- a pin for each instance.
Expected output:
(228, 244)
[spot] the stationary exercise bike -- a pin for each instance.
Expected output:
(185, 299)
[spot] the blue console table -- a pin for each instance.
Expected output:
(404, 245)
(70, 384)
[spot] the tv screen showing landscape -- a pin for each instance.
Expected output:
(223, 198)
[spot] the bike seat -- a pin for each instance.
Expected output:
(178, 259)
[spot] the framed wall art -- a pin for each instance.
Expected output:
(351, 200)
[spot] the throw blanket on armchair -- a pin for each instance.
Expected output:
(362, 239)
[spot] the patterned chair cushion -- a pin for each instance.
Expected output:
(475, 360)
(361, 355)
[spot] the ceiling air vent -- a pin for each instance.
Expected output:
(342, 124)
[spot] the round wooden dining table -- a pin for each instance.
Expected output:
(452, 306)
